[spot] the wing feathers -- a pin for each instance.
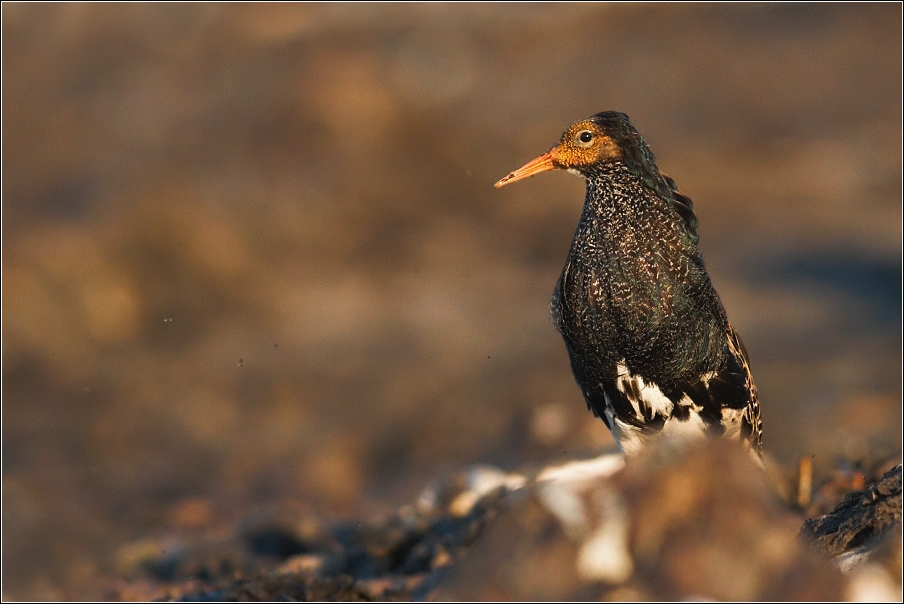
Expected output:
(722, 402)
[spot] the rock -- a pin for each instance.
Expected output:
(861, 524)
(699, 523)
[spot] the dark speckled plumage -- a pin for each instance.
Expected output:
(649, 341)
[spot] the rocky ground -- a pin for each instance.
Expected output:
(258, 289)
(703, 523)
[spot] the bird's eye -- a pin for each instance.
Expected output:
(585, 137)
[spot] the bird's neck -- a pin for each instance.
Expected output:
(629, 223)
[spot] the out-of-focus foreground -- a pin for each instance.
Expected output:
(252, 256)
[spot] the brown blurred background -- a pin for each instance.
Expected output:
(252, 254)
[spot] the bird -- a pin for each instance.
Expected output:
(647, 335)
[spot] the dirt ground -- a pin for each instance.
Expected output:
(254, 266)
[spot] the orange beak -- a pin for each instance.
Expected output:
(545, 162)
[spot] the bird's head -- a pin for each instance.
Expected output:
(604, 138)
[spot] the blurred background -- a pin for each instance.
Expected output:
(252, 255)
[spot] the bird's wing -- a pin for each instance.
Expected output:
(723, 403)
(684, 206)
(752, 425)
(728, 397)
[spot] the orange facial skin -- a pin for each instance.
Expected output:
(582, 145)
